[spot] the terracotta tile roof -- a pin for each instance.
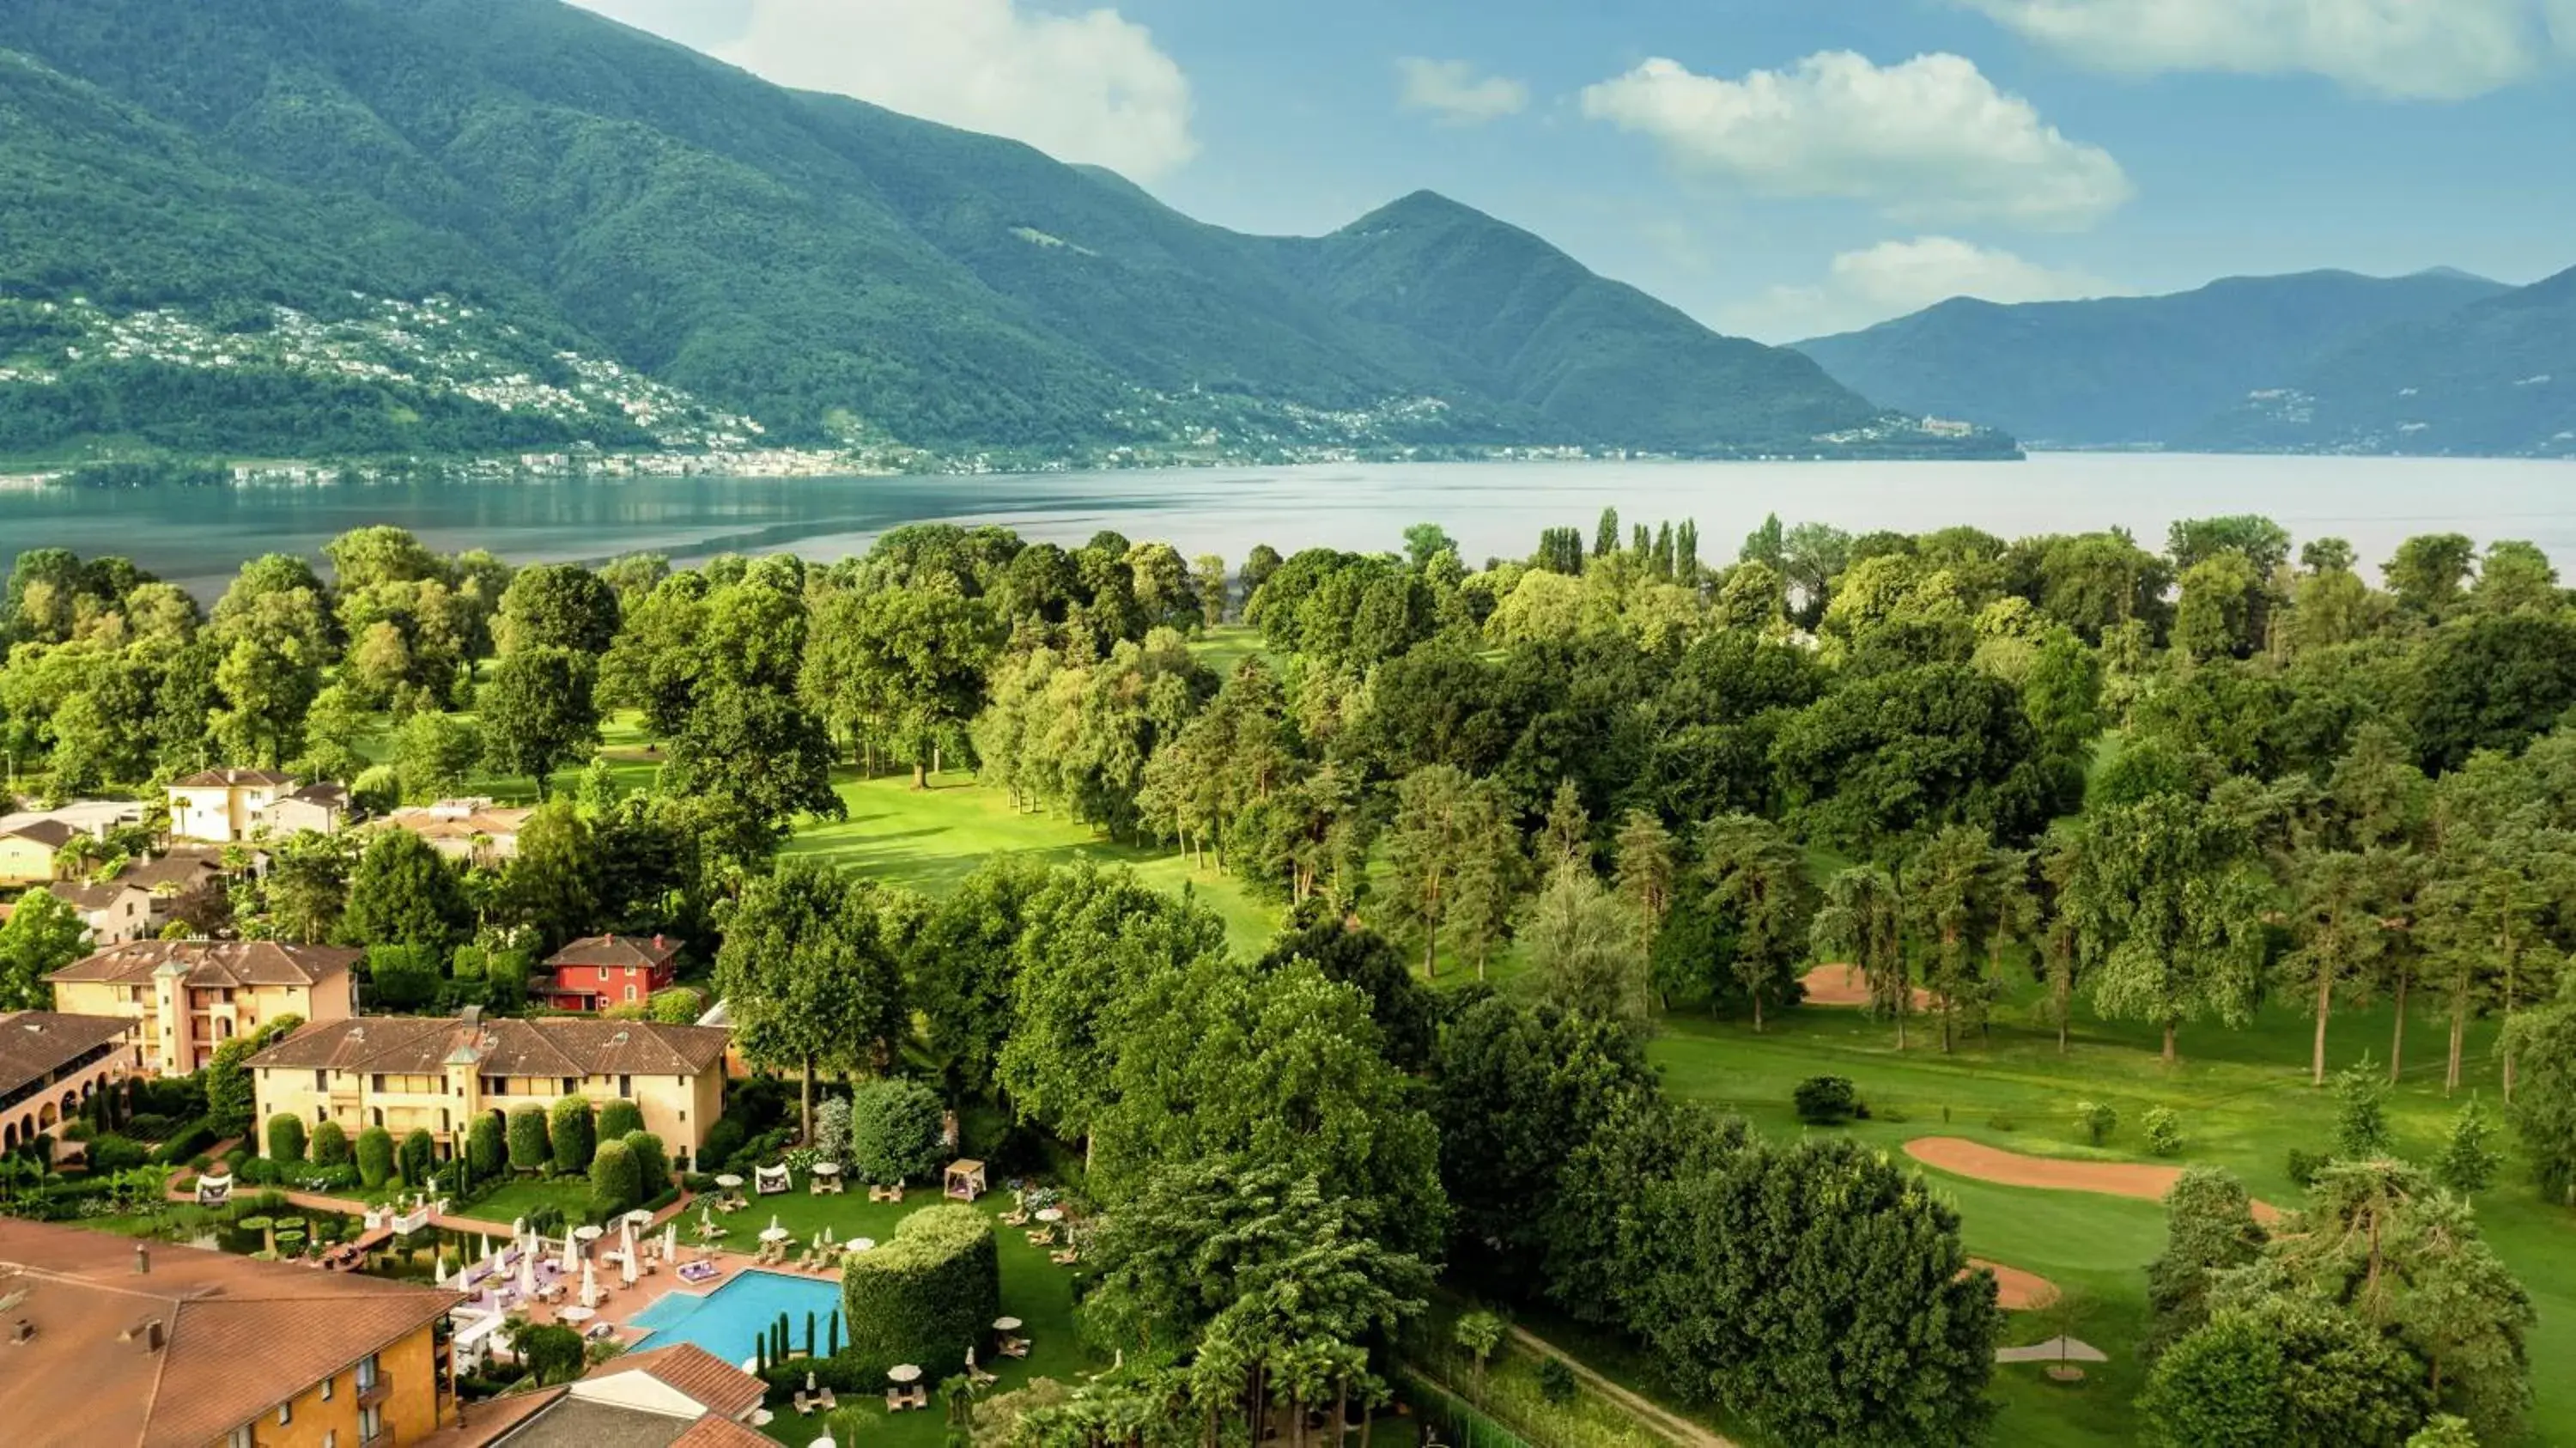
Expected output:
(237, 1337)
(214, 962)
(491, 1420)
(53, 834)
(708, 1380)
(576, 1422)
(334, 796)
(227, 778)
(616, 950)
(33, 1043)
(714, 1432)
(87, 898)
(434, 823)
(546, 1047)
(181, 868)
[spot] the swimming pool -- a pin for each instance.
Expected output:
(729, 1321)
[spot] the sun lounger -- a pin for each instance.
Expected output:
(1064, 1258)
(830, 1403)
(1042, 1237)
(1017, 1347)
(804, 1405)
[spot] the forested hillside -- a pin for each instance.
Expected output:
(832, 270)
(2128, 371)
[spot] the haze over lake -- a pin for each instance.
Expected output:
(197, 537)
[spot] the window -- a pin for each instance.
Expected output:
(366, 1372)
(321, 1080)
(626, 1084)
(285, 1414)
(630, 992)
(371, 1424)
(378, 1082)
(242, 1437)
(328, 1385)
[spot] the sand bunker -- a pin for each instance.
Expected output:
(1844, 985)
(2012, 1169)
(2017, 1290)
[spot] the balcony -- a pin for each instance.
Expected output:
(374, 1394)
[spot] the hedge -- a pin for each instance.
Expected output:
(418, 1155)
(894, 1130)
(574, 1135)
(285, 1137)
(652, 1162)
(375, 1157)
(926, 1295)
(487, 1150)
(620, 1118)
(195, 1137)
(615, 1183)
(529, 1145)
(329, 1146)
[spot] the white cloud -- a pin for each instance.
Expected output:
(1090, 87)
(1929, 140)
(2418, 49)
(1894, 278)
(1453, 91)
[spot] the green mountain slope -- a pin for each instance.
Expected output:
(2127, 371)
(2495, 378)
(829, 269)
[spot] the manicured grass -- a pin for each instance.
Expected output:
(2244, 1100)
(929, 839)
(568, 1195)
(1034, 1290)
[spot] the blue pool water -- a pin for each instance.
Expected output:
(729, 1321)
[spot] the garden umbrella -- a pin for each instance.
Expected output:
(626, 1244)
(589, 1284)
(572, 1251)
(671, 1240)
(527, 1274)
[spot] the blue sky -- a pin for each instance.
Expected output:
(1777, 168)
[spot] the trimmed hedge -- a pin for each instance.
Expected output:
(574, 1134)
(487, 1149)
(375, 1157)
(529, 1145)
(285, 1138)
(615, 1184)
(329, 1146)
(619, 1119)
(417, 1156)
(195, 1137)
(652, 1162)
(926, 1295)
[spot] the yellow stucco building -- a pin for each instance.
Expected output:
(436, 1074)
(194, 995)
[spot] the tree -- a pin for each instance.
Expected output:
(894, 1131)
(1479, 1333)
(2543, 1112)
(434, 754)
(1406, 1012)
(531, 1149)
(1893, 752)
(552, 1353)
(41, 936)
(1970, 900)
(616, 1185)
(539, 712)
(404, 893)
(652, 1164)
(1516, 1091)
(572, 1135)
(2169, 902)
(2361, 1114)
(285, 1137)
(416, 1156)
(1759, 894)
(619, 1119)
(2427, 571)
(2340, 935)
(329, 1145)
(1643, 872)
(487, 1152)
(1425, 846)
(231, 1098)
(2283, 1372)
(2209, 1228)
(557, 605)
(2469, 1161)
(1584, 947)
(811, 977)
(1861, 921)
(552, 883)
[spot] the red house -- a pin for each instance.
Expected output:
(610, 970)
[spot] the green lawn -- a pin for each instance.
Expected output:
(2244, 1100)
(568, 1195)
(929, 839)
(1034, 1290)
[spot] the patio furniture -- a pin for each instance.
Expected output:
(805, 1405)
(770, 1180)
(1017, 1347)
(885, 1194)
(1019, 1218)
(977, 1375)
(830, 1403)
(894, 1400)
(1065, 1258)
(1041, 1236)
(963, 1181)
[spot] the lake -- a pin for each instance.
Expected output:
(197, 537)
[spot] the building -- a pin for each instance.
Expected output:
(138, 901)
(609, 970)
(222, 806)
(194, 995)
(109, 1340)
(472, 831)
(435, 1074)
(28, 844)
(321, 808)
(671, 1397)
(50, 1063)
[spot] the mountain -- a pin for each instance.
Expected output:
(2129, 371)
(2496, 378)
(589, 213)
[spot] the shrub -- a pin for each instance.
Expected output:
(2361, 1113)
(832, 1129)
(191, 1139)
(375, 1157)
(418, 1155)
(573, 1133)
(652, 1163)
(2164, 1130)
(109, 1152)
(615, 1183)
(261, 1171)
(487, 1146)
(722, 1142)
(2003, 1121)
(894, 1130)
(620, 1118)
(2099, 1120)
(2469, 1161)
(925, 1295)
(403, 977)
(529, 1146)
(678, 1005)
(329, 1146)
(2304, 1166)
(285, 1137)
(1827, 1101)
(1556, 1381)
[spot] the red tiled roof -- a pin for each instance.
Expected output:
(546, 1047)
(214, 963)
(238, 1337)
(714, 1432)
(616, 950)
(33, 1043)
(708, 1380)
(227, 778)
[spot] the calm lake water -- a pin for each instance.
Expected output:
(197, 537)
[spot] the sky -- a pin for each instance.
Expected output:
(1777, 168)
